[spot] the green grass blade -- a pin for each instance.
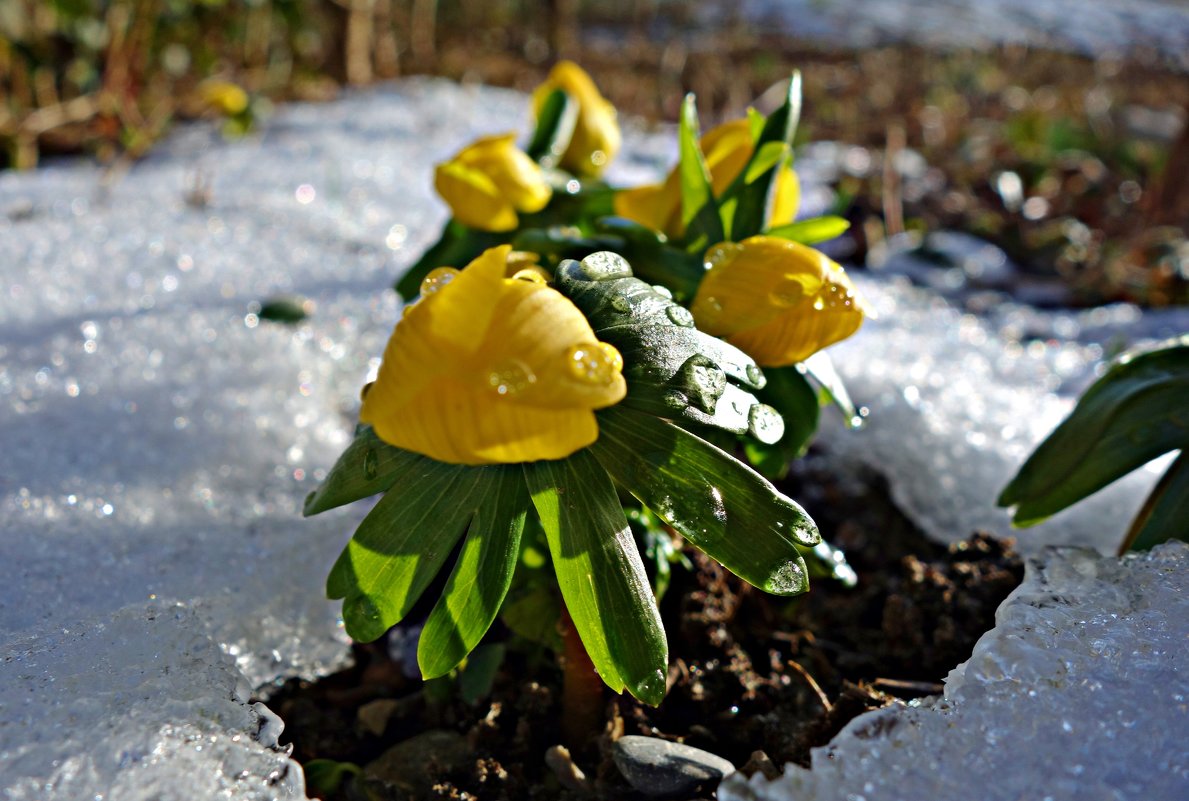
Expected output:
(369, 465)
(750, 193)
(481, 576)
(400, 546)
(600, 573)
(719, 504)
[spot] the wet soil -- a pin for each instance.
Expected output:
(756, 679)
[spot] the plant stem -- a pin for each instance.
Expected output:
(582, 687)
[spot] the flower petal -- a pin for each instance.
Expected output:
(776, 300)
(488, 369)
(473, 197)
(596, 137)
(516, 176)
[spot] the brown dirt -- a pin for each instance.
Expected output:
(757, 679)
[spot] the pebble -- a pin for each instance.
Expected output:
(660, 768)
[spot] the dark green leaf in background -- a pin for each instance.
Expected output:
(481, 576)
(1165, 514)
(789, 393)
(749, 196)
(1136, 412)
(555, 127)
(699, 210)
(600, 573)
(716, 502)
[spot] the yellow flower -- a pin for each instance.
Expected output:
(727, 149)
(777, 301)
(488, 182)
(224, 96)
(595, 140)
(487, 369)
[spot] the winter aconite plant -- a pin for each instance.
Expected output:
(570, 388)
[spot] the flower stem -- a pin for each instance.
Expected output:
(582, 687)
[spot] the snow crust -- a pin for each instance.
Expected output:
(1078, 692)
(158, 438)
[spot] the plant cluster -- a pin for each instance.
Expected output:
(575, 396)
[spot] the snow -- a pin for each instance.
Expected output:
(158, 438)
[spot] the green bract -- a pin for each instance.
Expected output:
(684, 385)
(1137, 411)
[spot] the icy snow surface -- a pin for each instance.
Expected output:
(1079, 692)
(158, 438)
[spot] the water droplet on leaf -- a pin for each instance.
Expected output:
(680, 316)
(605, 265)
(621, 304)
(663, 291)
(702, 381)
(788, 579)
(756, 376)
(765, 423)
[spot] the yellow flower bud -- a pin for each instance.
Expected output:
(596, 133)
(777, 301)
(727, 149)
(488, 182)
(224, 96)
(488, 369)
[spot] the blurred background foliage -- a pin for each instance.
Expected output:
(1075, 167)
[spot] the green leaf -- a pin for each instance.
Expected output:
(820, 367)
(287, 309)
(699, 211)
(790, 394)
(1134, 413)
(368, 465)
(1164, 514)
(672, 369)
(653, 259)
(534, 616)
(719, 504)
(600, 573)
(478, 677)
(324, 776)
(481, 576)
(750, 193)
(555, 127)
(400, 546)
(812, 231)
(457, 247)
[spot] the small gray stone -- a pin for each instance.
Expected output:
(413, 764)
(659, 768)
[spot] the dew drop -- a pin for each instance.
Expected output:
(702, 381)
(621, 304)
(663, 291)
(676, 400)
(756, 376)
(594, 363)
(765, 423)
(722, 254)
(787, 293)
(680, 316)
(605, 265)
(789, 578)
(371, 465)
(511, 377)
(437, 278)
(530, 275)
